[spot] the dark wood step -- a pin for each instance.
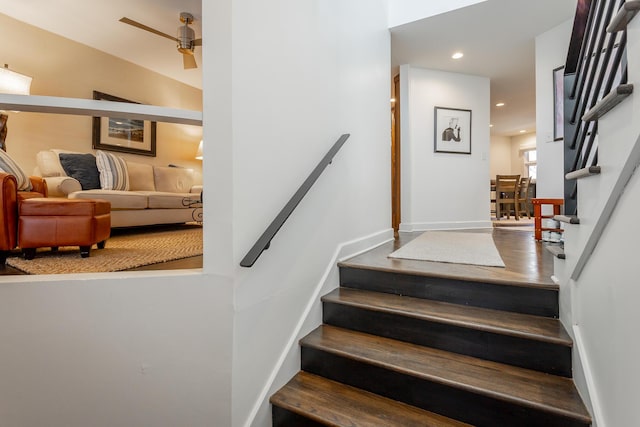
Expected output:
(606, 104)
(310, 400)
(540, 300)
(567, 219)
(626, 13)
(556, 250)
(583, 173)
(472, 390)
(533, 342)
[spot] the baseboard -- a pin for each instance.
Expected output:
(455, 225)
(328, 282)
(591, 398)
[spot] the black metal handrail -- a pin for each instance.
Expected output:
(264, 241)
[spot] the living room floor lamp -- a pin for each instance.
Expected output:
(14, 83)
(199, 152)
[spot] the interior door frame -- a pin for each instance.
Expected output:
(395, 157)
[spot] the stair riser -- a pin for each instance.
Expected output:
(282, 418)
(467, 406)
(527, 300)
(541, 356)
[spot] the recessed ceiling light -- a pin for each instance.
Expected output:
(457, 55)
(500, 104)
(490, 126)
(522, 131)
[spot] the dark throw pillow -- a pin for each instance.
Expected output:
(83, 168)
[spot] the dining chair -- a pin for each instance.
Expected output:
(524, 199)
(507, 187)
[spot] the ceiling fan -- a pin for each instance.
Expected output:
(186, 37)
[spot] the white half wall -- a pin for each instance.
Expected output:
(119, 349)
(444, 191)
(551, 53)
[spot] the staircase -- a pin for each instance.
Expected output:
(401, 348)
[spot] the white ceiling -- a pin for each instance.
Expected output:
(498, 41)
(497, 37)
(95, 23)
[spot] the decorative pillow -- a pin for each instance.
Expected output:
(140, 176)
(83, 168)
(7, 165)
(173, 180)
(113, 171)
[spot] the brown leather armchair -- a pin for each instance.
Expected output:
(9, 199)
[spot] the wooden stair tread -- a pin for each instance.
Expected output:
(336, 404)
(567, 219)
(440, 270)
(556, 250)
(525, 387)
(495, 321)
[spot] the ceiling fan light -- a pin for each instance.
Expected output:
(185, 38)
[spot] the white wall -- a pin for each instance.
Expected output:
(114, 350)
(518, 144)
(405, 11)
(302, 73)
(551, 53)
(441, 190)
(500, 156)
(506, 154)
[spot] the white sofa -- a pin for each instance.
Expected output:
(155, 194)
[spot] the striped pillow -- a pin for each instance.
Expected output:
(113, 171)
(7, 165)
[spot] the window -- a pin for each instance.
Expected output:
(530, 163)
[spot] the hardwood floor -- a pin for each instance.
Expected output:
(527, 261)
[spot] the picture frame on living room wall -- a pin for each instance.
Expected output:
(123, 135)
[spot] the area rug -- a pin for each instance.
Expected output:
(121, 252)
(452, 247)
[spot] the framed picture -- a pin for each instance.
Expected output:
(123, 135)
(452, 130)
(558, 104)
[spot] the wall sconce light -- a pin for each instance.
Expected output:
(14, 83)
(199, 152)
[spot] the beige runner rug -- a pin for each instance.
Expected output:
(452, 247)
(121, 252)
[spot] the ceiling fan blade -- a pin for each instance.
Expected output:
(144, 27)
(188, 61)
(197, 42)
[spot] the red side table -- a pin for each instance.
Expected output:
(537, 213)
